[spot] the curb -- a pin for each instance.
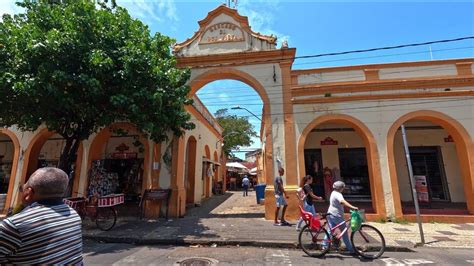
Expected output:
(209, 242)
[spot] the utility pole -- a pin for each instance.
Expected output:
(412, 183)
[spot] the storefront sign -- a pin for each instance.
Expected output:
(421, 187)
(329, 141)
(222, 32)
(449, 139)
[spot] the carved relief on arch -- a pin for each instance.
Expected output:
(222, 32)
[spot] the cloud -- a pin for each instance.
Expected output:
(261, 16)
(8, 7)
(151, 11)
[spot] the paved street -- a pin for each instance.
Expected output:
(126, 254)
(231, 219)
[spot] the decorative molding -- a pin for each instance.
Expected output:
(329, 141)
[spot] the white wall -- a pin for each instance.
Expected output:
(449, 155)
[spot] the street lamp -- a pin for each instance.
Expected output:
(243, 108)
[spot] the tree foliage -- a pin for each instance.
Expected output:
(77, 66)
(238, 131)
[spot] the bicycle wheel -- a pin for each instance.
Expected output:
(314, 243)
(368, 242)
(106, 218)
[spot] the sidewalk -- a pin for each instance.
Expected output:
(231, 219)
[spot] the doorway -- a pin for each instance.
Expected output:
(314, 167)
(427, 161)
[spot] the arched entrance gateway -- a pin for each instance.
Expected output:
(341, 148)
(307, 124)
(9, 153)
(240, 54)
(441, 154)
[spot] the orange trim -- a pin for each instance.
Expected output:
(32, 152)
(242, 58)
(230, 73)
(16, 154)
(178, 195)
(222, 9)
(464, 148)
(431, 94)
(381, 66)
(100, 139)
(290, 138)
(216, 172)
(381, 85)
(202, 119)
(190, 150)
(371, 74)
(464, 68)
(376, 188)
(427, 218)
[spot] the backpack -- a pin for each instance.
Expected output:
(300, 194)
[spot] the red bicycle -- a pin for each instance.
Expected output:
(315, 240)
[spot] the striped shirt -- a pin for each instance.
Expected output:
(46, 232)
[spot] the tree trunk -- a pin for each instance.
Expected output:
(67, 161)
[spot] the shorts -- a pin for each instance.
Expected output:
(280, 201)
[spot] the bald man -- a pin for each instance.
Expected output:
(47, 231)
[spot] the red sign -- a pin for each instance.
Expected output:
(449, 139)
(329, 141)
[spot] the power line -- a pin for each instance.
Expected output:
(342, 53)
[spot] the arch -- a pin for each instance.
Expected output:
(230, 73)
(464, 148)
(375, 177)
(99, 141)
(207, 152)
(190, 171)
(16, 154)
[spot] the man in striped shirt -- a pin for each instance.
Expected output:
(47, 231)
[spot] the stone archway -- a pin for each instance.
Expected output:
(223, 73)
(12, 182)
(375, 178)
(464, 148)
(190, 171)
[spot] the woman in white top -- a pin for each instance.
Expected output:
(336, 209)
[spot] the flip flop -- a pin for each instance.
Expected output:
(277, 224)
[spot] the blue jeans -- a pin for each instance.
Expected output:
(333, 221)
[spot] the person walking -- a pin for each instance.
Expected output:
(245, 185)
(308, 198)
(280, 195)
(47, 231)
(336, 209)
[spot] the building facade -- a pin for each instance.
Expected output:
(343, 123)
(112, 162)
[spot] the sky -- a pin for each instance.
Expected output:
(317, 27)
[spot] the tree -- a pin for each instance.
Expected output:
(237, 130)
(78, 66)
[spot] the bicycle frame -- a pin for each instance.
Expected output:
(333, 229)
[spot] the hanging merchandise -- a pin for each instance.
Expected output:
(101, 182)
